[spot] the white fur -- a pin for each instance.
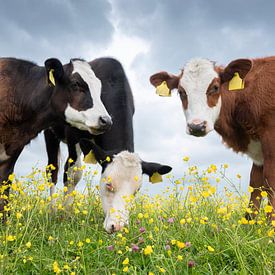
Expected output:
(125, 173)
(254, 151)
(197, 76)
(88, 119)
(75, 176)
(3, 154)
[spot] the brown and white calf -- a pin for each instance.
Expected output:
(32, 98)
(244, 116)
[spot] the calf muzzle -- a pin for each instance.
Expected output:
(197, 130)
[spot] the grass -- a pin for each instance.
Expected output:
(192, 227)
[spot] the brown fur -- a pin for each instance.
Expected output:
(249, 114)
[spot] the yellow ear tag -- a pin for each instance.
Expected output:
(155, 178)
(163, 90)
(51, 77)
(236, 83)
(90, 158)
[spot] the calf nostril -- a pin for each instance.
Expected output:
(113, 227)
(197, 129)
(105, 121)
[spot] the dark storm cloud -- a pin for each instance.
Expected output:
(39, 29)
(218, 30)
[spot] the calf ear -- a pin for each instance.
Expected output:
(240, 66)
(55, 71)
(155, 170)
(102, 156)
(171, 80)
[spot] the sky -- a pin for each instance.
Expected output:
(146, 36)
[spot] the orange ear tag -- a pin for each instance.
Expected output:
(90, 158)
(236, 83)
(163, 90)
(155, 178)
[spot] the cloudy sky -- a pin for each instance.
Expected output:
(146, 36)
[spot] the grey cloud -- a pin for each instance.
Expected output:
(179, 30)
(39, 29)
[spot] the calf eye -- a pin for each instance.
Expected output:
(214, 89)
(74, 86)
(182, 94)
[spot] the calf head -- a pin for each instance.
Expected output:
(121, 178)
(76, 95)
(199, 86)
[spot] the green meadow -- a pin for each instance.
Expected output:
(195, 226)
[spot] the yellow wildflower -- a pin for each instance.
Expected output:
(10, 238)
(140, 215)
(126, 261)
(271, 233)
(210, 248)
(250, 189)
(80, 244)
(108, 159)
(180, 245)
(148, 250)
(125, 269)
(268, 209)
(56, 268)
(182, 221)
(18, 215)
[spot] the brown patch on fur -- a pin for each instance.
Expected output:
(213, 92)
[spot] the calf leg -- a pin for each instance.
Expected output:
(72, 173)
(52, 147)
(6, 168)
(256, 182)
(268, 146)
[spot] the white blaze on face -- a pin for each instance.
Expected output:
(198, 75)
(124, 173)
(88, 119)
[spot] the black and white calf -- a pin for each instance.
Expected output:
(34, 98)
(125, 168)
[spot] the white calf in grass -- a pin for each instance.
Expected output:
(121, 178)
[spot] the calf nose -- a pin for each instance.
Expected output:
(105, 122)
(197, 130)
(115, 228)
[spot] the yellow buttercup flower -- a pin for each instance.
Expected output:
(148, 250)
(210, 248)
(56, 268)
(126, 261)
(268, 209)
